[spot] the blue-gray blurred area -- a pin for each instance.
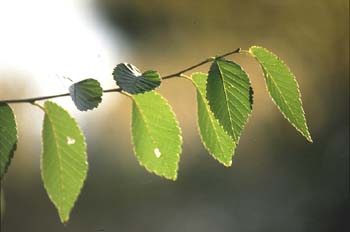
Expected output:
(278, 181)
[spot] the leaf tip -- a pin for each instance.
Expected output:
(228, 164)
(169, 175)
(64, 218)
(309, 138)
(65, 222)
(173, 178)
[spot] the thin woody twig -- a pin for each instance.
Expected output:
(177, 74)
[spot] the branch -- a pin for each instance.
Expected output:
(177, 74)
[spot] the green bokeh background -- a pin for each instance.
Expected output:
(277, 182)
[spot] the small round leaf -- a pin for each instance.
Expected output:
(86, 94)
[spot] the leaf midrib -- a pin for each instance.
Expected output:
(283, 98)
(59, 160)
(146, 124)
(226, 101)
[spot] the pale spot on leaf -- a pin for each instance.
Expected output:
(157, 152)
(70, 140)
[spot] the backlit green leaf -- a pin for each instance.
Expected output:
(230, 96)
(64, 160)
(130, 79)
(86, 94)
(215, 139)
(283, 88)
(156, 134)
(8, 137)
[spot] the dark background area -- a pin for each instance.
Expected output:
(278, 181)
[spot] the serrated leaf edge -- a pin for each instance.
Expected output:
(174, 178)
(63, 220)
(307, 135)
(212, 117)
(136, 73)
(14, 147)
(251, 97)
(74, 95)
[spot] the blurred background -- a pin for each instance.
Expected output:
(277, 182)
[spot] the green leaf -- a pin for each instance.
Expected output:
(86, 94)
(8, 137)
(130, 79)
(156, 134)
(283, 88)
(215, 139)
(230, 96)
(64, 160)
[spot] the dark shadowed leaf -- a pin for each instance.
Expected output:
(86, 94)
(230, 96)
(8, 137)
(131, 80)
